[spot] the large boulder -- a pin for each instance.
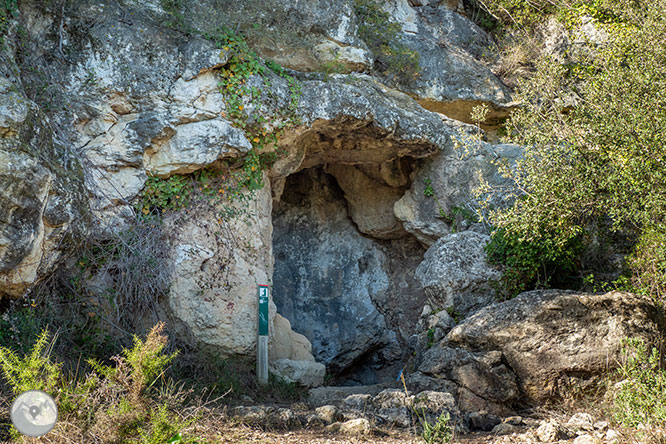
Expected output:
(552, 338)
(455, 274)
(483, 381)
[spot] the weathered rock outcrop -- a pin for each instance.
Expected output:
(217, 266)
(42, 203)
(133, 91)
(442, 193)
(455, 275)
(138, 99)
(312, 36)
(551, 338)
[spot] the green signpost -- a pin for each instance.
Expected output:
(262, 334)
(263, 310)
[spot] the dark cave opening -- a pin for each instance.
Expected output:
(353, 295)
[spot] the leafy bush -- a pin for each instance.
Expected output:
(438, 433)
(648, 263)
(147, 360)
(531, 264)
(641, 397)
(112, 403)
(593, 136)
(33, 371)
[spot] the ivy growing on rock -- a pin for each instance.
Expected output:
(252, 106)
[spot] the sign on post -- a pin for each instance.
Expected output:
(262, 335)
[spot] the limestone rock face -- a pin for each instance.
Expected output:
(451, 78)
(549, 337)
(354, 119)
(370, 202)
(215, 274)
(454, 272)
(194, 146)
(129, 97)
(442, 192)
(42, 200)
(316, 36)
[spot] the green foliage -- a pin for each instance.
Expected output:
(438, 433)
(382, 36)
(147, 359)
(647, 263)
(111, 403)
(530, 264)
(427, 189)
(511, 13)
(431, 337)
(8, 11)
(164, 427)
(641, 397)
(33, 371)
(594, 151)
(172, 193)
(241, 94)
(284, 390)
(175, 19)
(455, 314)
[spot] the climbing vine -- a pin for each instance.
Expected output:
(251, 106)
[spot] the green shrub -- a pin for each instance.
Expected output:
(111, 403)
(641, 397)
(33, 371)
(593, 137)
(647, 263)
(163, 427)
(528, 264)
(147, 359)
(438, 433)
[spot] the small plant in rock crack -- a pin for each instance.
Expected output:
(431, 337)
(428, 191)
(455, 314)
(437, 433)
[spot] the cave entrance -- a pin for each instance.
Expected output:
(344, 267)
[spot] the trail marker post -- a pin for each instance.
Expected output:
(262, 335)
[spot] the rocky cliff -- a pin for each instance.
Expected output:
(348, 195)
